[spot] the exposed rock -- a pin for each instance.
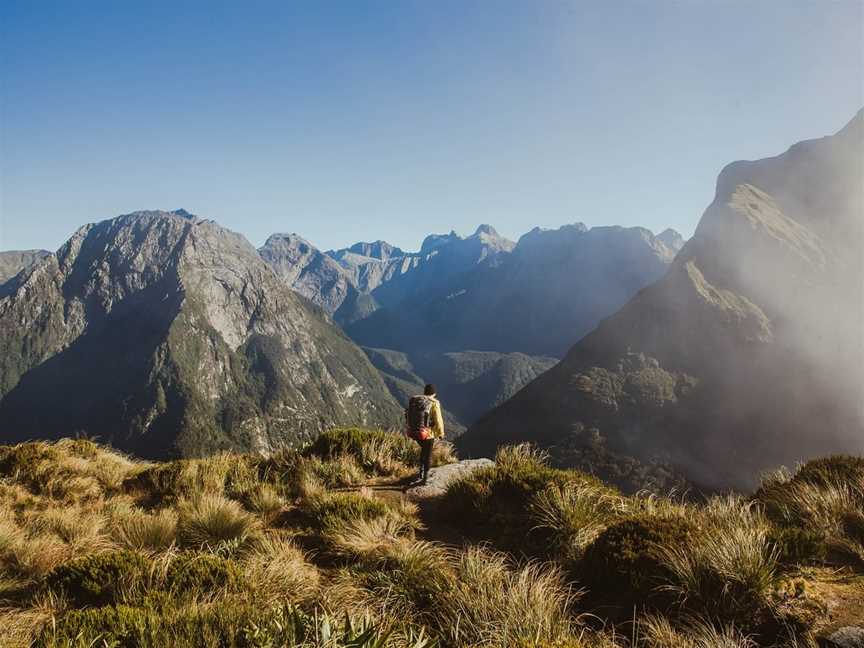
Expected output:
(849, 637)
(14, 261)
(442, 476)
(748, 353)
(309, 271)
(165, 334)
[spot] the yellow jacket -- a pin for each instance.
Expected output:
(437, 420)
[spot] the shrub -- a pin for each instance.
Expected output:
(209, 520)
(622, 565)
(146, 531)
(100, 579)
(192, 572)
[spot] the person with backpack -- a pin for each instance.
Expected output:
(424, 424)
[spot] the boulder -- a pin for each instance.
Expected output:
(848, 637)
(442, 476)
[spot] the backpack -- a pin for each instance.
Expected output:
(418, 416)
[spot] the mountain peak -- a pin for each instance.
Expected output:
(671, 239)
(488, 230)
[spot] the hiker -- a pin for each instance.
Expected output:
(424, 424)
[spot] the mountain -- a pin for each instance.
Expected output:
(552, 288)
(165, 334)
(390, 274)
(310, 272)
(747, 354)
(14, 261)
(380, 250)
(469, 382)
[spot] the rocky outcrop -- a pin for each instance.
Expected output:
(309, 271)
(165, 334)
(747, 354)
(14, 261)
(849, 637)
(441, 477)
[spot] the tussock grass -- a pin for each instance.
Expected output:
(499, 504)
(150, 532)
(98, 549)
(818, 509)
(730, 566)
(209, 520)
(492, 604)
(366, 538)
(279, 571)
(573, 514)
(658, 632)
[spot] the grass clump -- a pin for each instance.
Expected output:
(377, 452)
(149, 532)
(494, 604)
(817, 511)
(208, 521)
(729, 568)
(501, 504)
(279, 571)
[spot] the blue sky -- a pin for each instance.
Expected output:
(348, 121)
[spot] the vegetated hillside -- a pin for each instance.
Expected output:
(162, 333)
(14, 261)
(553, 287)
(294, 551)
(748, 354)
(469, 382)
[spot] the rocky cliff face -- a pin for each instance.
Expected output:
(309, 271)
(14, 261)
(165, 334)
(748, 353)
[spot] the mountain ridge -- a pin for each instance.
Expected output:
(167, 334)
(750, 341)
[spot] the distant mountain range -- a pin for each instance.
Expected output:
(165, 334)
(480, 306)
(747, 354)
